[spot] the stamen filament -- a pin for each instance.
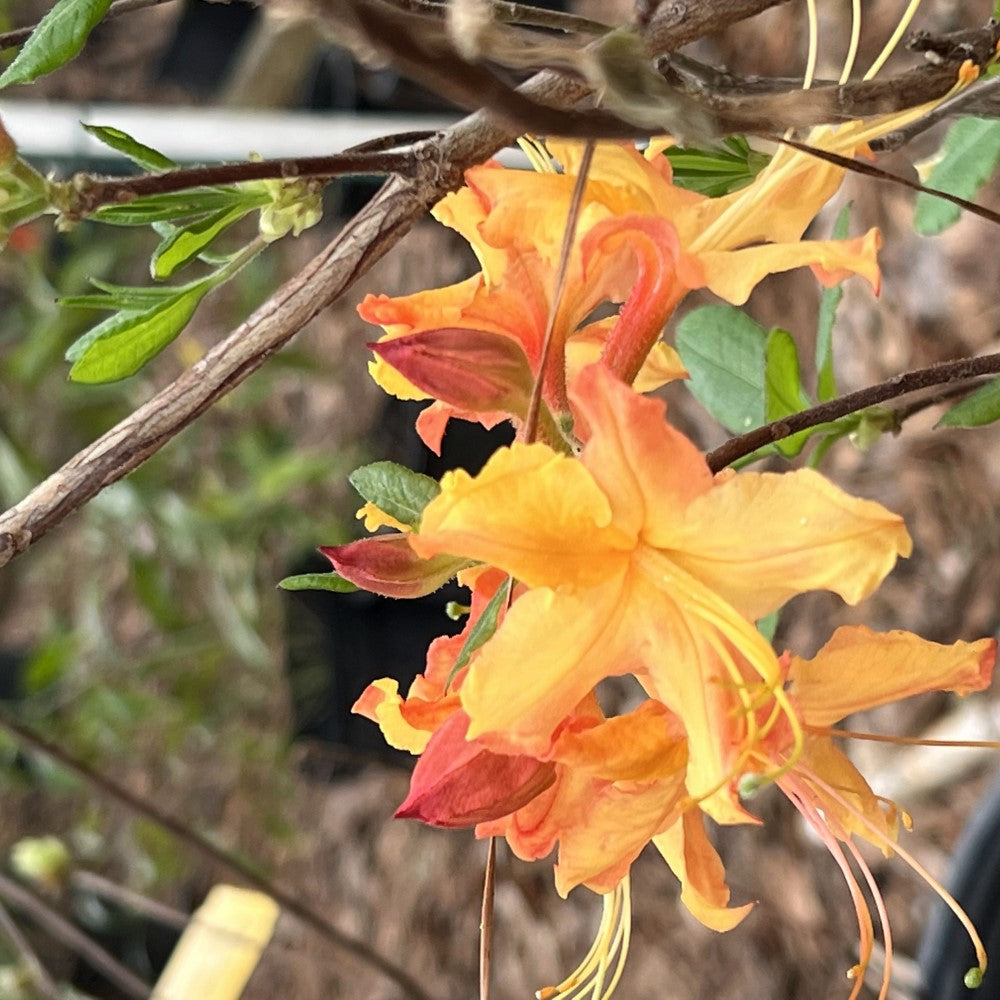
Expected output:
(883, 915)
(909, 741)
(852, 50)
(610, 945)
(890, 45)
(810, 73)
(893, 846)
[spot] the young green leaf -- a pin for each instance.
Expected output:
(185, 243)
(139, 153)
(318, 581)
(724, 352)
(123, 343)
(127, 297)
(826, 383)
(783, 392)
(969, 156)
(396, 490)
(178, 205)
(982, 407)
(56, 40)
(484, 628)
(716, 172)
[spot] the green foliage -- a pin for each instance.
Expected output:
(723, 349)
(394, 489)
(147, 321)
(715, 172)
(483, 629)
(976, 410)
(332, 582)
(783, 391)
(138, 152)
(57, 39)
(968, 158)
(829, 303)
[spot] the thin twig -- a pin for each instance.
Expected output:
(565, 251)
(89, 193)
(899, 385)
(119, 7)
(290, 900)
(91, 882)
(41, 980)
(68, 934)
(518, 13)
(486, 921)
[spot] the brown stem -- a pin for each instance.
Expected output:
(29, 961)
(90, 193)
(517, 13)
(98, 885)
(119, 7)
(486, 920)
(899, 385)
(290, 900)
(72, 937)
(673, 24)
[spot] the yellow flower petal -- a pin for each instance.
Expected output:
(757, 539)
(519, 513)
(686, 848)
(860, 669)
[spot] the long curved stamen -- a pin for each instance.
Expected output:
(610, 946)
(866, 931)
(901, 28)
(810, 73)
(538, 156)
(852, 49)
(906, 741)
(883, 915)
(877, 836)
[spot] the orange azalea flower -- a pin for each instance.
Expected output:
(512, 296)
(638, 561)
(644, 242)
(857, 670)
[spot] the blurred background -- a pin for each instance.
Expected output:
(147, 637)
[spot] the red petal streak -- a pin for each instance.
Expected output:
(655, 288)
(387, 565)
(471, 369)
(457, 783)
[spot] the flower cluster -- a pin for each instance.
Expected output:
(601, 545)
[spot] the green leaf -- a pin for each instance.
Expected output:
(724, 352)
(318, 581)
(783, 392)
(396, 490)
(186, 243)
(982, 407)
(57, 39)
(969, 156)
(127, 297)
(123, 343)
(715, 172)
(768, 625)
(177, 205)
(826, 383)
(145, 156)
(483, 630)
